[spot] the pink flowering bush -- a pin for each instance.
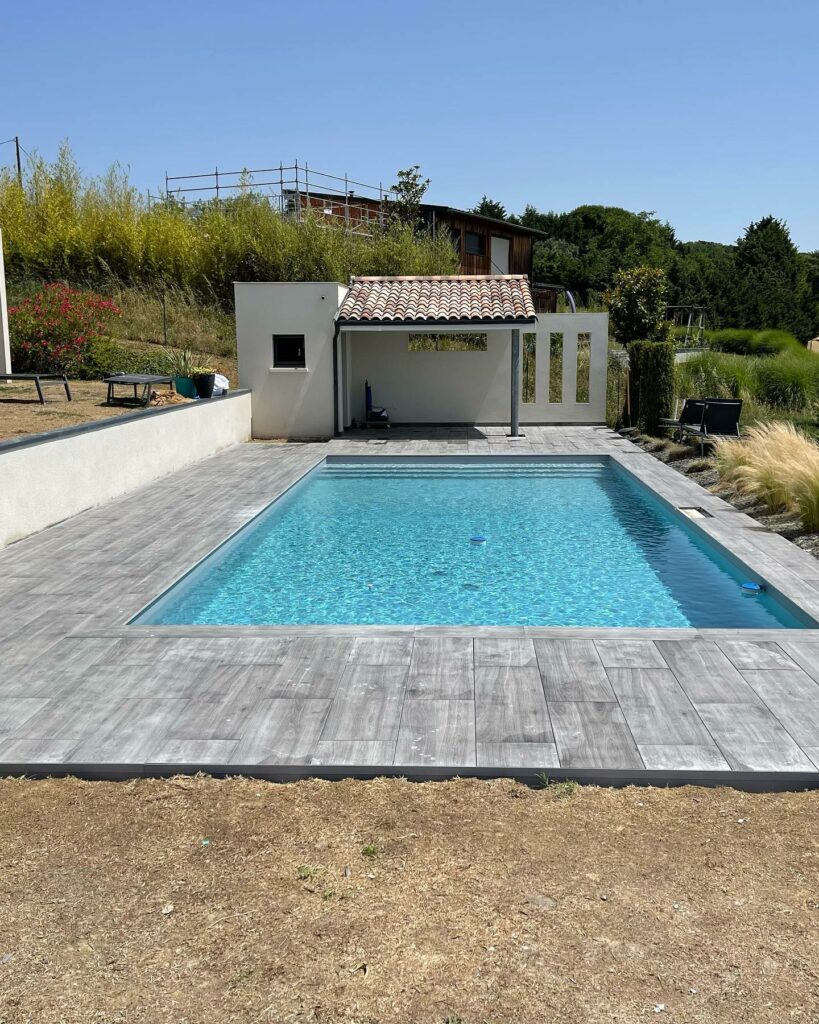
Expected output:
(54, 330)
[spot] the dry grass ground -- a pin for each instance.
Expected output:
(21, 412)
(195, 900)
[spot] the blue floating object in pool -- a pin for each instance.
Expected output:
(753, 588)
(478, 539)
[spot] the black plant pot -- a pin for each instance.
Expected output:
(204, 384)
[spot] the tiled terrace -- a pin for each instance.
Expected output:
(81, 691)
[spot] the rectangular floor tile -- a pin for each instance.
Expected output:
(677, 757)
(196, 751)
(656, 707)
(592, 734)
(705, 673)
(367, 705)
(282, 731)
(437, 732)
(354, 752)
(129, 732)
(441, 668)
(783, 686)
(369, 650)
(16, 711)
(295, 677)
(35, 751)
(497, 685)
(755, 654)
(503, 652)
(572, 670)
(752, 739)
(804, 653)
(629, 654)
(517, 755)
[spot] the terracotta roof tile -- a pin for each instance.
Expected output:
(480, 299)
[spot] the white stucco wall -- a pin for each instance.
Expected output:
(288, 403)
(431, 387)
(44, 483)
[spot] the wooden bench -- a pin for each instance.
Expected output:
(39, 380)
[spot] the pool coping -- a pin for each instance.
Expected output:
(105, 606)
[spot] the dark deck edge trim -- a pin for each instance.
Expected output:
(748, 781)
(61, 433)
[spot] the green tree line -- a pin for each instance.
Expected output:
(760, 282)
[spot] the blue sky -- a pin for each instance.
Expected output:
(703, 112)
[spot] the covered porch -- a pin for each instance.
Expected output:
(435, 350)
(464, 351)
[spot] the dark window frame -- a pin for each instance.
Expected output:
(481, 243)
(280, 361)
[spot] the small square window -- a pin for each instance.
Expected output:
(473, 243)
(288, 350)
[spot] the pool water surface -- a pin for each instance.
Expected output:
(506, 541)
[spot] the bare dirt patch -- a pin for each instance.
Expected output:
(237, 901)
(21, 412)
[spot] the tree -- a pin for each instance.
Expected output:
(603, 240)
(490, 208)
(637, 303)
(771, 279)
(409, 190)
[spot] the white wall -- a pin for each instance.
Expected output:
(45, 483)
(288, 403)
(475, 387)
(431, 387)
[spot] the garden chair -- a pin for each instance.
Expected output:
(689, 415)
(720, 418)
(373, 416)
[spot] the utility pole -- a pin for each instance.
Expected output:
(19, 165)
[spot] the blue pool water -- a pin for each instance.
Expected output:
(566, 543)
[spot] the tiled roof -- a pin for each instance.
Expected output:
(476, 299)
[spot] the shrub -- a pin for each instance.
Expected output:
(63, 225)
(637, 302)
(768, 343)
(652, 368)
(789, 381)
(106, 357)
(53, 330)
(732, 340)
(753, 343)
(776, 463)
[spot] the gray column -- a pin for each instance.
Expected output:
(514, 424)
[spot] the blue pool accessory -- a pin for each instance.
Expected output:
(478, 539)
(753, 588)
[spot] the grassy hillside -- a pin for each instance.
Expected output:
(90, 231)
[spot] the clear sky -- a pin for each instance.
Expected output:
(705, 112)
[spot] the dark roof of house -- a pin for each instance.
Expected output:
(463, 299)
(354, 199)
(490, 222)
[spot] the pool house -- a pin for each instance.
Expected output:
(465, 350)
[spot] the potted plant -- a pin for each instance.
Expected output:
(204, 378)
(181, 368)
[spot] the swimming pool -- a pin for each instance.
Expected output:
(476, 541)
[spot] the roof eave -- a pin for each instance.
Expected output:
(441, 324)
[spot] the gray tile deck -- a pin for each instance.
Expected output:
(82, 691)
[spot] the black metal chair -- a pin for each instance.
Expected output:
(690, 415)
(720, 418)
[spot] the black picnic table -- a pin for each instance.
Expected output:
(144, 380)
(39, 380)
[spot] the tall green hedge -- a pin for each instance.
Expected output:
(651, 382)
